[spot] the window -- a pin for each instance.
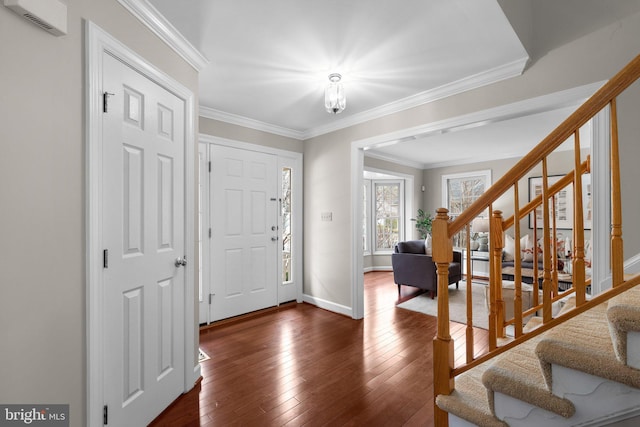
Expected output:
(366, 217)
(286, 225)
(459, 191)
(383, 219)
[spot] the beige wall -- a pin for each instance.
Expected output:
(42, 170)
(243, 134)
(591, 58)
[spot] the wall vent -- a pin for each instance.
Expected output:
(50, 15)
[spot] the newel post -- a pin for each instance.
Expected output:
(443, 349)
(497, 245)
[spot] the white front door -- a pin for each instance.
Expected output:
(245, 238)
(143, 232)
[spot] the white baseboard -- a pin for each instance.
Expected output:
(377, 268)
(632, 265)
(328, 305)
(197, 373)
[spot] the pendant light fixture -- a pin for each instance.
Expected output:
(334, 99)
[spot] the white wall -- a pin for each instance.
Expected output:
(588, 59)
(42, 170)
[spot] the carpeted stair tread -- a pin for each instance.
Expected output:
(469, 400)
(623, 313)
(568, 346)
(517, 373)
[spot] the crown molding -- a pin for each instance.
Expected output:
(161, 27)
(506, 71)
(235, 119)
(565, 98)
(503, 72)
(395, 160)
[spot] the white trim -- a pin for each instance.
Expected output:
(161, 27)
(632, 265)
(553, 101)
(235, 119)
(402, 230)
(601, 202)
(328, 305)
(393, 159)
(367, 232)
(297, 162)
(407, 206)
(485, 173)
(97, 43)
(378, 268)
(357, 258)
(484, 78)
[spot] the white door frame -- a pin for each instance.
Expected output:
(97, 43)
(574, 96)
(288, 158)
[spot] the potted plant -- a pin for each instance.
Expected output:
(423, 223)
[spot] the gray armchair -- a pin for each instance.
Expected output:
(412, 267)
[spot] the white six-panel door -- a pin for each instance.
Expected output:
(245, 238)
(143, 231)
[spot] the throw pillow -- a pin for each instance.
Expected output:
(526, 246)
(509, 248)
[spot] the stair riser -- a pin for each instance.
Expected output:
(593, 397)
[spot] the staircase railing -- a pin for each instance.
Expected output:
(545, 208)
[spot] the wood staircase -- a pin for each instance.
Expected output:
(523, 377)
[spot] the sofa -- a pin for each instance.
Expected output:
(413, 267)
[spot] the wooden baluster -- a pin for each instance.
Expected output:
(536, 280)
(493, 293)
(443, 346)
(546, 256)
(469, 330)
(617, 258)
(497, 245)
(517, 276)
(578, 227)
(553, 248)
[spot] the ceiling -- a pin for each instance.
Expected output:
(269, 61)
(477, 142)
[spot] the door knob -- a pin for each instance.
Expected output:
(274, 239)
(181, 261)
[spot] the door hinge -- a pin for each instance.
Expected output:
(209, 166)
(210, 232)
(105, 101)
(105, 258)
(105, 415)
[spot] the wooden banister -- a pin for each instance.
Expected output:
(444, 229)
(582, 115)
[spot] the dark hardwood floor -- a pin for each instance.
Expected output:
(301, 365)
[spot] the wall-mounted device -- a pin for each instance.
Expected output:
(50, 15)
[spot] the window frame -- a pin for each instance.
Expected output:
(447, 178)
(367, 228)
(373, 242)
